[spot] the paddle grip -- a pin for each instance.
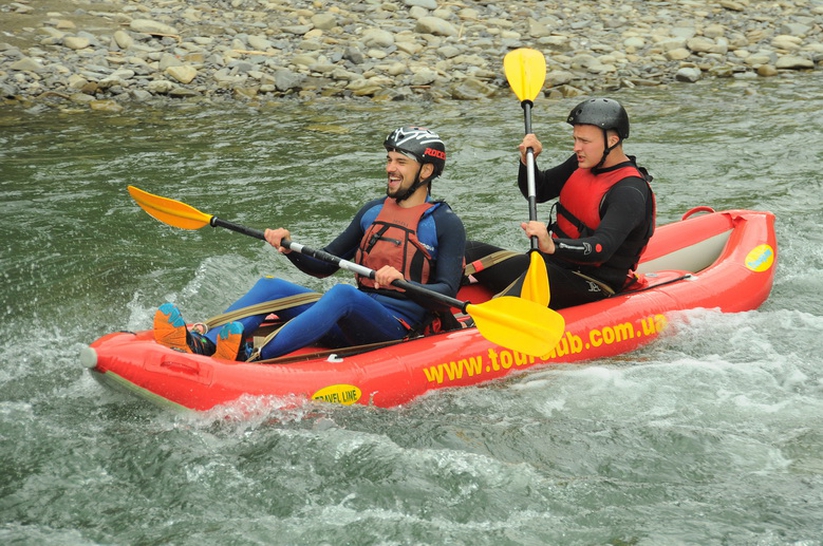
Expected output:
(217, 222)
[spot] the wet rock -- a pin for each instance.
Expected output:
(794, 62)
(7, 90)
(767, 70)
(182, 73)
(436, 26)
(688, 74)
(76, 42)
(147, 26)
(27, 64)
(105, 105)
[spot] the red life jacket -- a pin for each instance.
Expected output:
(578, 215)
(392, 240)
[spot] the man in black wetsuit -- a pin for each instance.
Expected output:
(605, 214)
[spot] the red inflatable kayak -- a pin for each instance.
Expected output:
(720, 260)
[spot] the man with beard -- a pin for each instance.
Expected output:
(405, 235)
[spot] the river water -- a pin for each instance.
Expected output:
(712, 436)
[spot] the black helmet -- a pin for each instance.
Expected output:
(421, 144)
(604, 113)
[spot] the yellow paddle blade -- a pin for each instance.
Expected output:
(536, 283)
(169, 211)
(526, 72)
(518, 324)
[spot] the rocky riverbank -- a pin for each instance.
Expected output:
(105, 54)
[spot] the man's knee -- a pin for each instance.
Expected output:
(343, 291)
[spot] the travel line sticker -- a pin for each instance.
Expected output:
(338, 394)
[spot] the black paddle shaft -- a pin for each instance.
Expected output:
(527, 114)
(532, 191)
(256, 233)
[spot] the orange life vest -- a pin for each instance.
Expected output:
(392, 240)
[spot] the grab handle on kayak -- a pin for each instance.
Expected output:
(695, 210)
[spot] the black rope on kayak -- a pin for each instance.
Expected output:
(685, 277)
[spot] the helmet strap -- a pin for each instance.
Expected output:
(607, 149)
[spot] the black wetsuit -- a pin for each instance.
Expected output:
(590, 267)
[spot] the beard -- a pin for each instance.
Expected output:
(393, 193)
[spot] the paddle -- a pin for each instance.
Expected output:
(515, 323)
(526, 72)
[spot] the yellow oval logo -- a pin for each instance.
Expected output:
(338, 394)
(760, 258)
